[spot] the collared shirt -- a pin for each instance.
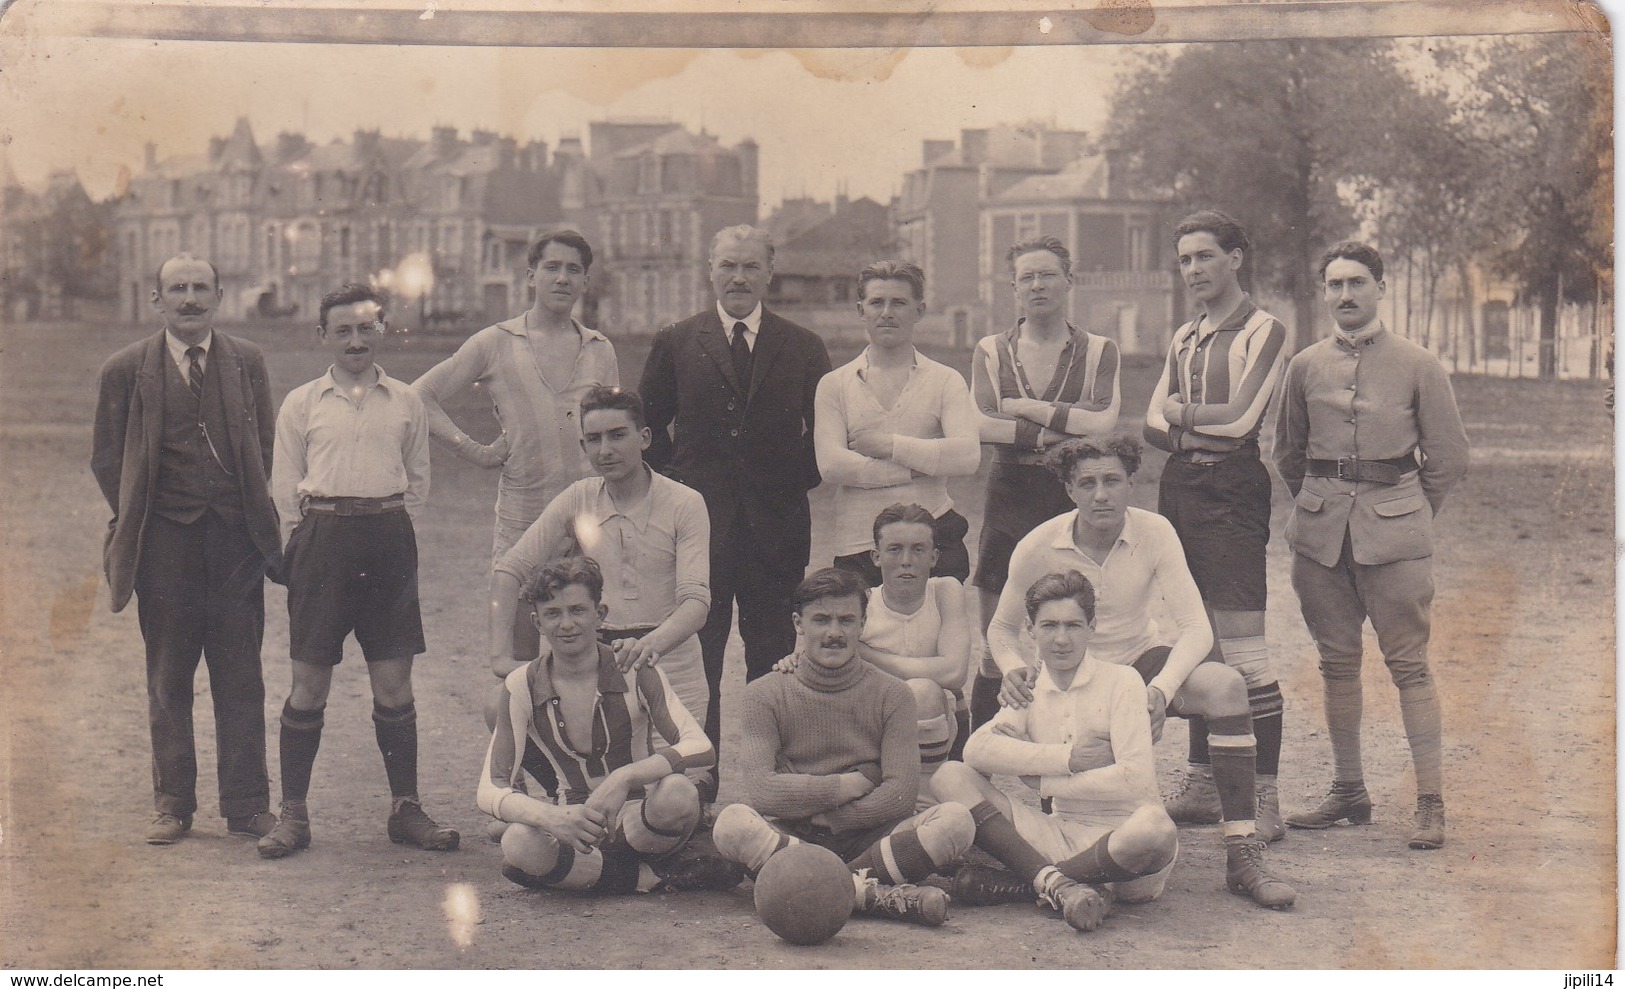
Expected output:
(1146, 558)
(752, 321)
(630, 722)
(1104, 709)
(655, 555)
(330, 446)
(177, 352)
(935, 425)
(542, 424)
(1371, 395)
(1224, 373)
(1082, 393)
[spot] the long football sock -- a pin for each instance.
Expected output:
(933, 838)
(397, 731)
(1235, 755)
(1096, 865)
(997, 835)
(301, 736)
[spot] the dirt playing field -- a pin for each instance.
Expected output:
(1523, 647)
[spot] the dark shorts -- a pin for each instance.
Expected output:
(847, 844)
(1221, 512)
(953, 559)
(1151, 663)
(1019, 497)
(353, 573)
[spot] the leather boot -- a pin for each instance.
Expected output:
(1246, 874)
(1345, 801)
(1429, 822)
(1197, 801)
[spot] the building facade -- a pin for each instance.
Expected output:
(1123, 285)
(442, 224)
(650, 195)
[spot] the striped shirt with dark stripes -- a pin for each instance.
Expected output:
(1225, 375)
(1082, 392)
(630, 722)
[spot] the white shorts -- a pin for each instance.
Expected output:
(1057, 838)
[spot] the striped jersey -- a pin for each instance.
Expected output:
(630, 722)
(1224, 374)
(1083, 386)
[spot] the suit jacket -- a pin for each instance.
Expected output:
(1380, 396)
(129, 426)
(735, 442)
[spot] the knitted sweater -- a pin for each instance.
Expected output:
(805, 729)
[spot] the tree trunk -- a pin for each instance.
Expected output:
(1303, 315)
(1548, 333)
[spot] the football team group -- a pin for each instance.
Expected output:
(628, 524)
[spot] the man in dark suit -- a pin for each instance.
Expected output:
(182, 448)
(737, 385)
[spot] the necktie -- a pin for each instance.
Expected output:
(741, 355)
(194, 377)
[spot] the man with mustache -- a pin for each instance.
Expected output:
(352, 470)
(830, 756)
(1206, 411)
(1370, 442)
(182, 447)
(893, 426)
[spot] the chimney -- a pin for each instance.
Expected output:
(973, 143)
(748, 168)
(290, 146)
(444, 141)
(483, 137)
(932, 150)
(216, 145)
(150, 161)
(366, 142)
(507, 151)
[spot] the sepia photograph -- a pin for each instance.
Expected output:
(702, 485)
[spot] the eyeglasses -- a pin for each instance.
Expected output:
(1039, 277)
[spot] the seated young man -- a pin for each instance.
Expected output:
(625, 808)
(1084, 742)
(917, 630)
(830, 756)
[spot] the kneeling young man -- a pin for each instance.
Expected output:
(1084, 742)
(350, 470)
(625, 808)
(1128, 554)
(831, 756)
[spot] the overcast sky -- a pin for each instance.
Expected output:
(856, 116)
(822, 117)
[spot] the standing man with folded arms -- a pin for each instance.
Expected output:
(1206, 411)
(1035, 385)
(1369, 442)
(729, 395)
(893, 425)
(182, 448)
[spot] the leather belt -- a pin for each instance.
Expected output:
(611, 635)
(1387, 471)
(357, 506)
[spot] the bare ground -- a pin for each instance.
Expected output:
(1523, 647)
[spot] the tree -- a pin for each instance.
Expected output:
(1284, 135)
(1540, 114)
